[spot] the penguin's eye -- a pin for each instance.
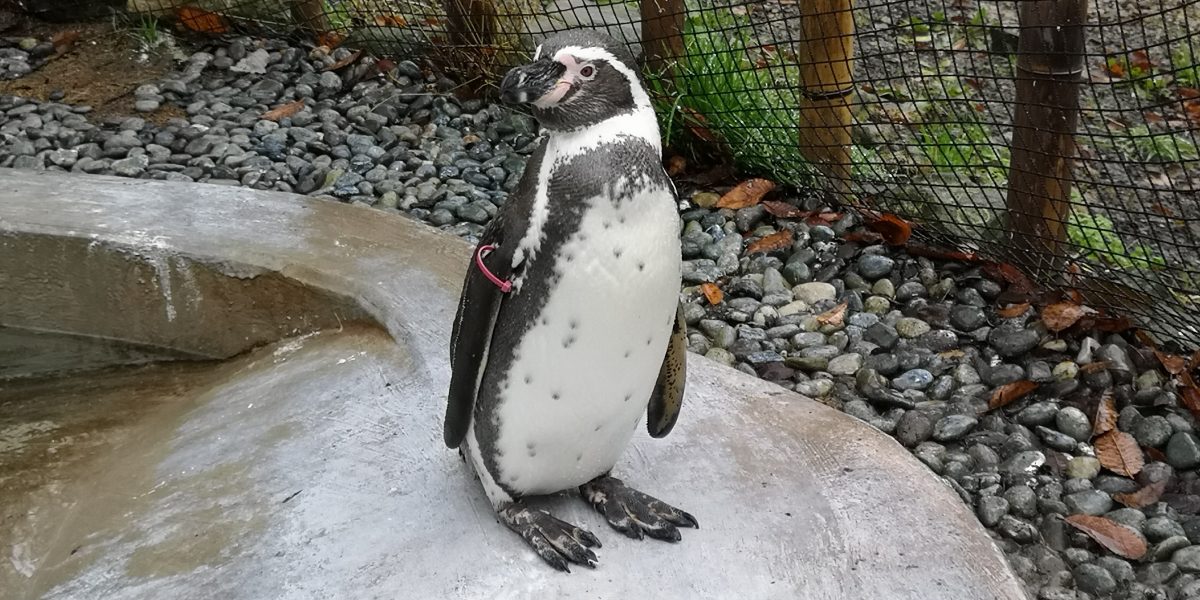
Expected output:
(587, 72)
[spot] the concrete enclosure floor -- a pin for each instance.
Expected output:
(301, 456)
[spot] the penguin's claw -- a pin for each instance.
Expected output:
(558, 543)
(633, 513)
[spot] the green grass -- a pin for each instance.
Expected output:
(1158, 147)
(1098, 239)
(750, 108)
(1186, 67)
(962, 146)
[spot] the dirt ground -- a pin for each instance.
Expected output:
(101, 69)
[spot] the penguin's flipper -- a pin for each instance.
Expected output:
(471, 336)
(667, 397)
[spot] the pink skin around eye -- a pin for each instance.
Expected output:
(563, 85)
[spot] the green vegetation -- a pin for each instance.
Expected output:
(1186, 66)
(964, 146)
(1096, 236)
(1160, 147)
(718, 92)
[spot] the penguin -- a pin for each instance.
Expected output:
(569, 328)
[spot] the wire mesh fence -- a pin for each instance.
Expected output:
(1060, 137)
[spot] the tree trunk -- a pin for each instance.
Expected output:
(826, 55)
(662, 35)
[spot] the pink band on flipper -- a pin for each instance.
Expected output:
(482, 251)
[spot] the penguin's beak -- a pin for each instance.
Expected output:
(539, 83)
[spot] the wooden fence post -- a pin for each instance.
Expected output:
(310, 16)
(1050, 66)
(662, 35)
(826, 56)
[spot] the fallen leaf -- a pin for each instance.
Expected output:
(1155, 455)
(1173, 363)
(1119, 452)
(341, 64)
(201, 21)
(330, 39)
(1143, 497)
(746, 193)
(1106, 415)
(1141, 60)
(1094, 367)
(390, 21)
(1195, 361)
(780, 240)
(833, 316)
(676, 165)
(823, 218)
(863, 237)
(1145, 338)
(895, 231)
(698, 125)
(1010, 275)
(1112, 324)
(1013, 311)
(1188, 394)
(63, 40)
(713, 293)
(1115, 67)
(281, 112)
(1119, 539)
(1010, 392)
(1061, 315)
(783, 210)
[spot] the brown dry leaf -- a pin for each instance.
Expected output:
(780, 240)
(1094, 367)
(1195, 361)
(783, 210)
(1061, 315)
(1013, 311)
(201, 21)
(1106, 415)
(1010, 392)
(698, 125)
(1189, 395)
(390, 21)
(746, 193)
(895, 231)
(280, 112)
(823, 218)
(1119, 539)
(357, 54)
(676, 165)
(330, 39)
(63, 40)
(713, 293)
(1143, 497)
(1119, 452)
(833, 316)
(1173, 363)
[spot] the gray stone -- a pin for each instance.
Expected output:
(990, 509)
(874, 266)
(1090, 502)
(883, 335)
(1022, 500)
(1083, 467)
(953, 427)
(1073, 422)
(915, 379)
(255, 62)
(132, 166)
(913, 428)
(910, 328)
(814, 292)
(846, 364)
(1183, 451)
(1187, 559)
(967, 318)
(1017, 529)
(1153, 431)
(1024, 463)
(1158, 529)
(1038, 413)
(1094, 579)
(1010, 340)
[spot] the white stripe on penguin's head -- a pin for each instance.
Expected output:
(640, 98)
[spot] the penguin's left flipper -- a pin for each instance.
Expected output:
(633, 513)
(471, 334)
(667, 397)
(557, 542)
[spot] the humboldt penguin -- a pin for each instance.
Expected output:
(569, 327)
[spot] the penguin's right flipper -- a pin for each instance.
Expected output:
(667, 397)
(557, 542)
(471, 336)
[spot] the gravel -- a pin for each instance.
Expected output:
(919, 353)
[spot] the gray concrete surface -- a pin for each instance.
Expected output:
(303, 459)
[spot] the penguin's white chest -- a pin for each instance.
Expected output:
(583, 374)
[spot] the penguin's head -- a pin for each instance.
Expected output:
(577, 78)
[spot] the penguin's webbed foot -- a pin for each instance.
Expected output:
(557, 542)
(633, 513)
